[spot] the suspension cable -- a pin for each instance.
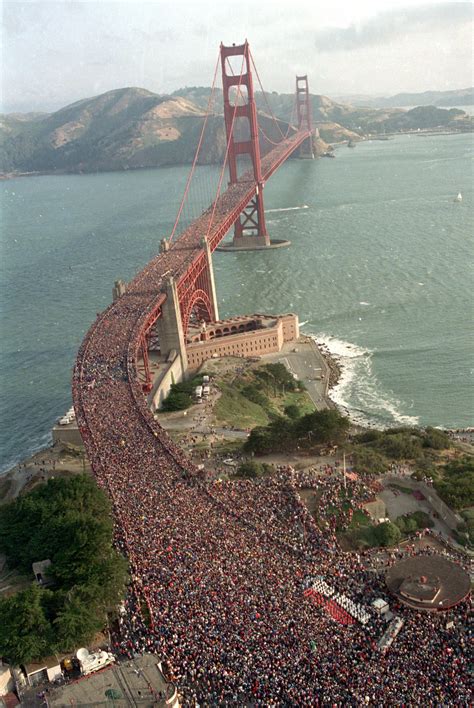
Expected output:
(265, 97)
(211, 220)
(190, 176)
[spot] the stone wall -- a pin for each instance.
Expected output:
(255, 342)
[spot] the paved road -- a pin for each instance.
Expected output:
(305, 361)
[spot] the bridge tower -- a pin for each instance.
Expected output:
(242, 132)
(304, 114)
(250, 230)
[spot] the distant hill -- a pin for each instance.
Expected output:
(457, 97)
(123, 129)
(339, 121)
(132, 128)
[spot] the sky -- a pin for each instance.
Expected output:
(55, 53)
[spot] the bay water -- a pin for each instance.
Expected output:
(380, 270)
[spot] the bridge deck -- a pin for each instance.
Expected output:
(137, 463)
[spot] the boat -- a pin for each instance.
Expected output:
(351, 144)
(458, 198)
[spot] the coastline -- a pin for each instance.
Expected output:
(46, 463)
(5, 176)
(60, 459)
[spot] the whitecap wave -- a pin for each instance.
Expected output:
(358, 391)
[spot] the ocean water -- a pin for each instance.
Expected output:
(380, 270)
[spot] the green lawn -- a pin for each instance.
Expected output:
(360, 519)
(298, 398)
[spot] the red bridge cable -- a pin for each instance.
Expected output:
(190, 176)
(267, 101)
(231, 135)
(290, 126)
(268, 106)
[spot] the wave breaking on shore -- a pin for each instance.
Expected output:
(357, 391)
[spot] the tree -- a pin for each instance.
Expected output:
(292, 411)
(76, 623)
(69, 521)
(251, 469)
(25, 632)
(327, 426)
(177, 401)
(387, 534)
(369, 461)
(254, 394)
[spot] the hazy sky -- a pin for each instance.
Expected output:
(55, 53)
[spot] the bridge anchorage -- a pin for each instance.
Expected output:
(250, 231)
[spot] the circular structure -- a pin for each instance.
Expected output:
(274, 243)
(428, 582)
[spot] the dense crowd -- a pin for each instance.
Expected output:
(218, 568)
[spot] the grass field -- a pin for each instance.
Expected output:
(233, 408)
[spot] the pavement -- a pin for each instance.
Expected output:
(400, 503)
(305, 361)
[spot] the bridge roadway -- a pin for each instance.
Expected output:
(159, 500)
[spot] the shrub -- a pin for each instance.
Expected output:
(251, 469)
(456, 487)
(399, 446)
(368, 436)
(436, 439)
(387, 534)
(369, 461)
(292, 411)
(254, 394)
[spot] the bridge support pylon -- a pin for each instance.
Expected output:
(250, 231)
(304, 113)
(170, 326)
(211, 280)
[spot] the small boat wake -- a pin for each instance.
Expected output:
(296, 208)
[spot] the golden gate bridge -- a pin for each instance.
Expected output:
(130, 454)
(218, 570)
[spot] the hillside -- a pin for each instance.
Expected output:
(124, 129)
(457, 97)
(134, 128)
(342, 121)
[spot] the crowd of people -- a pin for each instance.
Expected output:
(218, 569)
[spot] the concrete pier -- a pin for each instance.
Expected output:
(170, 327)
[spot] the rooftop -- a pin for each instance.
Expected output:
(136, 682)
(428, 582)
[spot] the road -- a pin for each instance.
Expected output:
(308, 364)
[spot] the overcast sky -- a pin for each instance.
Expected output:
(55, 53)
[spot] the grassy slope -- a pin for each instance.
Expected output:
(234, 409)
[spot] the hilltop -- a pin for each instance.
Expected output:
(134, 128)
